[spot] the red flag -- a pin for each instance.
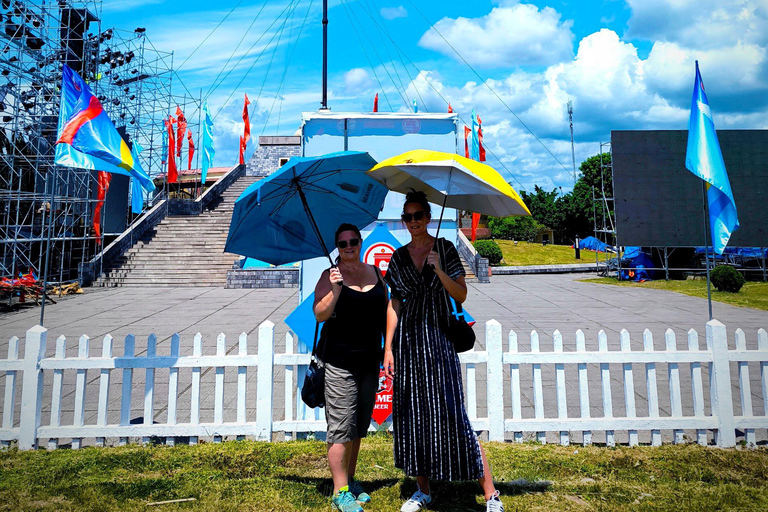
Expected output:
(376, 103)
(242, 150)
(173, 172)
(475, 222)
(180, 130)
(191, 149)
(480, 138)
(247, 121)
(450, 108)
(103, 179)
(467, 131)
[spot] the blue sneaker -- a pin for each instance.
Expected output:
(343, 501)
(357, 491)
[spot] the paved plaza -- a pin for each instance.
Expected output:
(522, 303)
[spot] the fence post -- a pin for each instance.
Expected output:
(32, 390)
(494, 381)
(264, 382)
(722, 403)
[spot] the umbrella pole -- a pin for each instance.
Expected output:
(439, 222)
(314, 224)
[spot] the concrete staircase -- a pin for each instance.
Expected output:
(182, 250)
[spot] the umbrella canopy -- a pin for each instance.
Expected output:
(293, 214)
(451, 180)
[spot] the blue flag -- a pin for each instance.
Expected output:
(415, 107)
(208, 150)
(137, 193)
(704, 159)
(87, 138)
(474, 149)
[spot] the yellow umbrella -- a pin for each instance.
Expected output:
(451, 180)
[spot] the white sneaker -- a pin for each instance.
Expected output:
(418, 501)
(494, 504)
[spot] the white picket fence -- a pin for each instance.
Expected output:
(508, 371)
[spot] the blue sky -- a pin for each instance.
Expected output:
(624, 65)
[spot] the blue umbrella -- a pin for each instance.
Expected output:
(293, 214)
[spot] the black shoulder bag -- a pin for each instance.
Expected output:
(455, 327)
(313, 390)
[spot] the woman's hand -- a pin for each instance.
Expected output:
(389, 364)
(335, 276)
(434, 259)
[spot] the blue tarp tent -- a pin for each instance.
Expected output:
(635, 265)
(593, 244)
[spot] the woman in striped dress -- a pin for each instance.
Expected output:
(433, 436)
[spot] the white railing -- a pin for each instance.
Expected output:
(509, 372)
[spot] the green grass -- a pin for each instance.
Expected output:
(525, 253)
(293, 476)
(752, 295)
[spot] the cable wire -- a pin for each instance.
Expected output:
(488, 86)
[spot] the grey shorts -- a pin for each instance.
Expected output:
(349, 400)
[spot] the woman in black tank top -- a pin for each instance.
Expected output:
(352, 301)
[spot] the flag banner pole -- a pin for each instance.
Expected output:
(52, 175)
(706, 244)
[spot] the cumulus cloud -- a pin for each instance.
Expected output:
(703, 24)
(391, 13)
(510, 35)
(357, 80)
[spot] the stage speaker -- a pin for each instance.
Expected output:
(74, 25)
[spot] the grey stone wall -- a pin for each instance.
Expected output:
(263, 278)
(266, 158)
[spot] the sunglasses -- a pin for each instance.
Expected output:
(417, 216)
(353, 242)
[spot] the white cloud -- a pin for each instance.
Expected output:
(391, 13)
(510, 35)
(703, 24)
(357, 80)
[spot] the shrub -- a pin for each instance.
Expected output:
(489, 249)
(514, 228)
(727, 279)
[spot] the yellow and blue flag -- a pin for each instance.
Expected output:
(704, 159)
(87, 138)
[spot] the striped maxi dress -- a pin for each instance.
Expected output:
(433, 436)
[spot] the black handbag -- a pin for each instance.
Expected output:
(455, 327)
(313, 389)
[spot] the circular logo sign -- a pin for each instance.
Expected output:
(411, 125)
(379, 255)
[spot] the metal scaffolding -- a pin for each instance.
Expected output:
(603, 207)
(46, 210)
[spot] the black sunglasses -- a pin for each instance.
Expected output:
(417, 216)
(353, 242)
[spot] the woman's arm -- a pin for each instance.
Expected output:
(327, 293)
(393, 317)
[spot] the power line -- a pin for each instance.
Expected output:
(285, 70)
(245, 34)
(394, 44)
(209, 35)
(488, 86)
(293, 4)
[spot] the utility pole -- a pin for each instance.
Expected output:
(324, 103)
(573, 150)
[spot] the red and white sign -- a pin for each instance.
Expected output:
(382, 408)
(379, 254)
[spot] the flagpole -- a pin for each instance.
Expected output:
(706, 244)
(48, 246)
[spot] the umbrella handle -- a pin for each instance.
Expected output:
(439, 223)
(314, 224)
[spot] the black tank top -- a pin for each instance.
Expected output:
(352, 338)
